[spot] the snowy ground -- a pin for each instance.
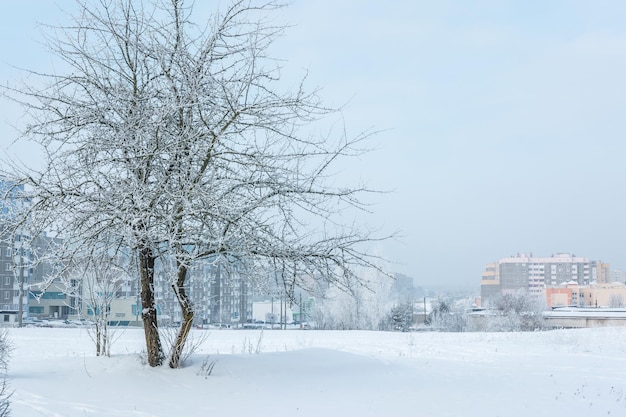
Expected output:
(54, 372)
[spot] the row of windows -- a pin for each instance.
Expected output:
(9, 252)
(8, 267)
(49, 295)
(136, 310)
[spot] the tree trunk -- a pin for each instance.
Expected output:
(149, 311)
(98, 346)
(187, 317)
(105, 339)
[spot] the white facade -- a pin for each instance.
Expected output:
(269, 311)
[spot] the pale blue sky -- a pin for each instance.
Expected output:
(505, 119)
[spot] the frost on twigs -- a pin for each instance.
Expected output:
(193, 343)
(206, 368)
(249, 347)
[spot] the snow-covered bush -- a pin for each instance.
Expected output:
(516, 312)
(195, 341)
(400, 318)
(5, 354)
(446, 317)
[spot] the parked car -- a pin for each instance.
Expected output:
(32, 322)
(219, 326)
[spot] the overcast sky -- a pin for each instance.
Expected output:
(503, 122)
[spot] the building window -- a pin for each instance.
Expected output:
(35, 310)
(8, 266)
(7, 295)
(8, 252)
(49, 295)
(6, 317)
(7, 281)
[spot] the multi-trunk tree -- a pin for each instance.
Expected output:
(178, 141)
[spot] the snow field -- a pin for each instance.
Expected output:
(55, 372)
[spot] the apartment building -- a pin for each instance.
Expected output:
(220, 293)
(14, 256)
(618, 275)
(10, 283)
(525, 272)
(490, 282)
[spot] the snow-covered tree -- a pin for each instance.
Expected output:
(96, 283)
(179, 142)
(616, 301)
(400, 317)
(516, 312)
(361, 307)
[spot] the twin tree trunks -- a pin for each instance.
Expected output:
(149, 312)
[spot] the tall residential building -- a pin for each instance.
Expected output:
(219, 294)
(490, 282)
(14, 255)
(48, 296)
(524, 272)
(403, 287)
(601, 273)
(24, 285)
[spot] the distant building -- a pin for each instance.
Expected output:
(618, 275)
(273, 311)
(220, 294)
(403, 287)
(48, 298)
(524, 272)
(490, 282)
(598, 295)
(14, 255)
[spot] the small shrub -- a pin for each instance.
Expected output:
(5, 392)
(192, 344)
(443, 317)
(251, 348)
(206, 368)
